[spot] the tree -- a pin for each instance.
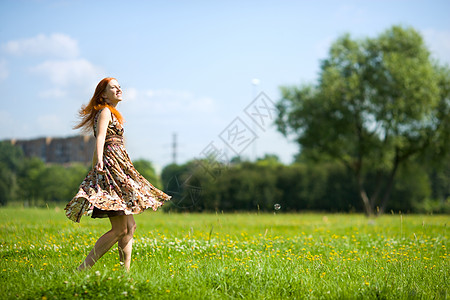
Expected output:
(379, 102)
(11, 158)
(54, 181)
(183, 183)
(6, 184)
(30, 180)
(76, 172)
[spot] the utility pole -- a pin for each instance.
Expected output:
(255, 84)
(174, 148)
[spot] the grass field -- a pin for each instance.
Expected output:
(227, 256)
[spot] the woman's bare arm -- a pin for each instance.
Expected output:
(103, 121)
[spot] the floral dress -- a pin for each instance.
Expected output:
(120, 189)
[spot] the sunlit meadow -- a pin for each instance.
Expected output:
(227, 256)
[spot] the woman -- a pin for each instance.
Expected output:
(113, 188)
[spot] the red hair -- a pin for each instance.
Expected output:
(87, 112)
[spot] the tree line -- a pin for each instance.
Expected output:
(270, 186)
(31, 182)
(264, 185)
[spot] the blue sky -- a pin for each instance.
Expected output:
(186, 67)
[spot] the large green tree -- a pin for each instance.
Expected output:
(378, 103)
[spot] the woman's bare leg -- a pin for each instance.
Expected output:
(126, 243)
(105, 242)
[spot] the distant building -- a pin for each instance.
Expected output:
(59, 150)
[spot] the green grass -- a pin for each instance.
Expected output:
(215, 256)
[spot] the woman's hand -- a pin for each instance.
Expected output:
(99, 167)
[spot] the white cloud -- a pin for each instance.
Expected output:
(54, 45)
(166, 93)
(59, 62)
(202, 104)
(53, 93)
(4, 73)
(439, 43)
(172, 101)
(154, 115)
(78, 72)
(130, 94)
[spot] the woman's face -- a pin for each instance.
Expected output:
(113, 92)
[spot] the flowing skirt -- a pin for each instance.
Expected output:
(121, 188)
